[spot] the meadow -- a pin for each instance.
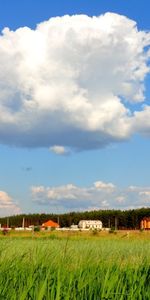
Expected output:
(65, 266)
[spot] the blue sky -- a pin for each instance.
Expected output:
(66, 155)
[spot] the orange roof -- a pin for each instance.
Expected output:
(50, 223)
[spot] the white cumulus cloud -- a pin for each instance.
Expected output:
(68, 81)
(7, 205)
(104, 186)
(100, 195)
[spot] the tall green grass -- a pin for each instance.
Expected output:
(69, 269)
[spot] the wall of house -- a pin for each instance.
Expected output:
(91, 224)
(145, 224)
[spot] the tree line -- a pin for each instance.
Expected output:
(127, 219)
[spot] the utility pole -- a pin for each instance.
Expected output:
(23, 222)
(7, 222)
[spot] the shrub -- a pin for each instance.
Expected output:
(52, 228)
(112, 230)
(5, 231)
(36, 228)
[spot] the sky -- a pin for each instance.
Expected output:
(74, 105)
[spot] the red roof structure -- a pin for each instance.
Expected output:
(50, 223)
(145, 223)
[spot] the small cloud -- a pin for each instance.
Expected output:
(133, 188)
(7, 205)
(5, 199)
(104, 186)
(60, 150)
(37, 189)
(120, 199)
(145, 193)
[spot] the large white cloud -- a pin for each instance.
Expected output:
(68, 82)
(7, 205)
(100, 195)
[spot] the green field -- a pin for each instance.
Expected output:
(75, 267)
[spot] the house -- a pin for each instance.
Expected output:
(90, 224)
(50, 224)
(145, 223)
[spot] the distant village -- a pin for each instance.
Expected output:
(83, 225)
(51, 225)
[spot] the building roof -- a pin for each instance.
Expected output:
(90, 221)
(50, 223)
(146, 219)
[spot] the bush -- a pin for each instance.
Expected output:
(36, 228)
(95, 231)
(112, 230)
(5, 231)
(53, 228)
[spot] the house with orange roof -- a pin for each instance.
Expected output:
(145, 223)
(50, 224)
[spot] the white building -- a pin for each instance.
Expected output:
(90, 224)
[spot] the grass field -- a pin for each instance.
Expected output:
(75, 266)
